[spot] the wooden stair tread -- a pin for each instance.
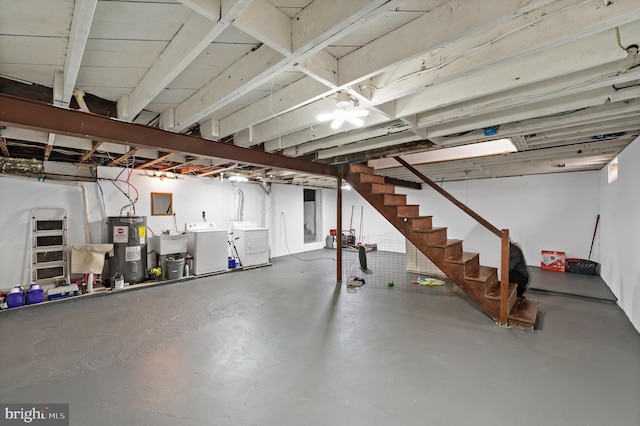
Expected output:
(428, 230)
(493, 293)
(524, 310)
(482, 274)
(462, 259)
(444, 243)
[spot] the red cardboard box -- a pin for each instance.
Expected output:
(553, 261)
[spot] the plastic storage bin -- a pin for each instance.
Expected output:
(62, 291)
(582, 266)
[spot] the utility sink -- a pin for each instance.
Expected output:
(170, 244)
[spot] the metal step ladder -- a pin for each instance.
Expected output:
(49, 249)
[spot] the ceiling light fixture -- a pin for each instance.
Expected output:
(344, 112)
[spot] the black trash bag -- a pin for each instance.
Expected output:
(518, 272)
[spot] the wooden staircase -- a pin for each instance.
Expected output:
(480, 283)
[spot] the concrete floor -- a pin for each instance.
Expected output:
(282, 345)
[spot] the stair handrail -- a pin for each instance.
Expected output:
(502, 234)
(482, 221)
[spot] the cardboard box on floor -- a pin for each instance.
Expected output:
(553, 261)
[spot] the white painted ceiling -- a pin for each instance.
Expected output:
(562, 78)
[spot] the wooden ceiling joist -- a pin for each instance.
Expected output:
(94, 148)
(218, 170)
(124, 157)
(174, 167)
(4, 148)
(157, 160)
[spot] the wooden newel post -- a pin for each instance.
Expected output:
(504, 279)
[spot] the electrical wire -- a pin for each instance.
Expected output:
(633, 52)
(132, 202)
(284, 227)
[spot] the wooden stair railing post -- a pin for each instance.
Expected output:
(504, 279)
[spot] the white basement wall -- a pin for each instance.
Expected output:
(19, 197)
(283, 206)
(543, 212)
(620, 231)
(191, 196)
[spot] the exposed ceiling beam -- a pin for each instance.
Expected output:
(419, 145)
(156, 161)
(322, 67)
(125, 157)
(294, 95)
(549, 26)
(274, 128)
(3, 147)
(207, 8)
(450, 21)
(94, 148)
(264, 22)
(37, 116)
(178, 166)
(217, 170)
(314, 28)
(552, 107)
(370, 144)
(341, 139)
(83, 12)
(193, 37)
(544, 123)
(49, 147)
(569, 84)
(596, 50)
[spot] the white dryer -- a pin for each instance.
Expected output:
(252, 243)
(208, 246)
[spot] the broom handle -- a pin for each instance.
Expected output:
(594, 235)
(351, 221)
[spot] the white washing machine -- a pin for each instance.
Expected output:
(252, 243)
(208, 246)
